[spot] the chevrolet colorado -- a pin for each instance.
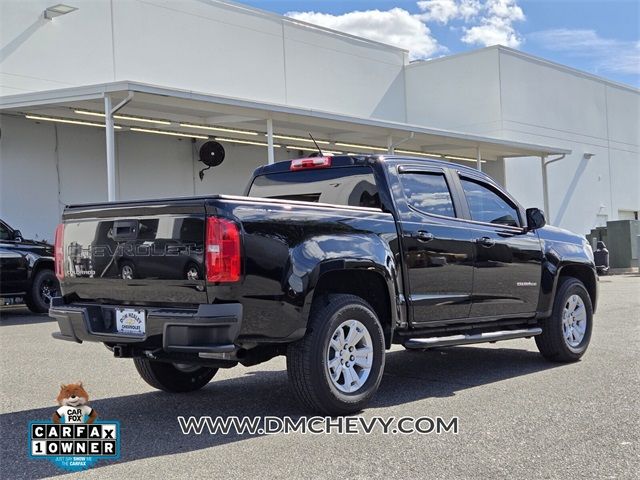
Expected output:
(329, 261)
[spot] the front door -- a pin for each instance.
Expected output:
(438, 249)
(508, 259)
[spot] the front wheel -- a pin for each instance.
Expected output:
(337, 367)
(567, 332)
(173, 377)
(44, 287)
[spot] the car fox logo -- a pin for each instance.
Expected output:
(73, 400)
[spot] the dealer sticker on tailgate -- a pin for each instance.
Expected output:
(130, 321)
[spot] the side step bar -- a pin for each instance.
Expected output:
(468, 339)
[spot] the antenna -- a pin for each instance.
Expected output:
(316, 144)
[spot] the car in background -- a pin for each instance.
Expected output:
(26, 270)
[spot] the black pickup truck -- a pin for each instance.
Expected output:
(329, 261)
(26, 271)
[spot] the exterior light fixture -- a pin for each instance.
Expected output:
(363, 147)
(67, 120)
(299, 139)
(166, 132)
(125, 117)
(218, 129)
(307, 149)
(463, 159)
(56, 10)
(244, 142)
(414, 152)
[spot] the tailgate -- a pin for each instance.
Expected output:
(149, 252)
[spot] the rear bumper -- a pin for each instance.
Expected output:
(208, 328)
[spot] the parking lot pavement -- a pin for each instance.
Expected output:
(519, 416)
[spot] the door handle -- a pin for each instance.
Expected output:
(486, 242)
(423, 236)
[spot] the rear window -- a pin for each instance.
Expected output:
(353, 186)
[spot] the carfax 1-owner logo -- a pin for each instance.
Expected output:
(74, 439)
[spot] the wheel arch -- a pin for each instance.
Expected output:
(585, 274)
(369, 283)
(42, 263)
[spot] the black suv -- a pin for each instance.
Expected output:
(26, 270)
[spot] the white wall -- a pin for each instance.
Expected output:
(546, 104)
(46, 166)
(502, 93)
(38, 54)
(201, 45)
(458, 93)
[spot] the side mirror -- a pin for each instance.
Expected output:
(535, 219)
(17, 235)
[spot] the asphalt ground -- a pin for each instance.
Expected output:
(519, 416)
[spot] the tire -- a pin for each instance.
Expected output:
(127, 270)
(554, 343)
(309, 360)
(43, 287)
(173, 378)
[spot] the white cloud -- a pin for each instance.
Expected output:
(493, 31)
(606, 54)
(443, 11)
(487, 22)
(394, 27)
(496, 25)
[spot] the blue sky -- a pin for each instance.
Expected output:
(596, 36)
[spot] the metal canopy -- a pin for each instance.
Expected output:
(148, 109)
(179, 106)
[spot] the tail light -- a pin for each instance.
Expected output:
(222, 255)
(309, 163)
(59, 251)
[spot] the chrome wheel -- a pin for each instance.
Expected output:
(126, 272)
(48, 290)
(350, 356)
(574, 321)
(192, 273)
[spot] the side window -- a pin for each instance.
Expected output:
(4, 233)
(488, 206)
(428, 192)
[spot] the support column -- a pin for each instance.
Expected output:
(478, 160)
(111, 157)
(270, 153)
(545, 185)
(390, 149)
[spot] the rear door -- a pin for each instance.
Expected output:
(437, 248)
(508, 259)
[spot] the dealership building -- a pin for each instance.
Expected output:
(111, 101)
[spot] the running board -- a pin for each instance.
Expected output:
(468, 339)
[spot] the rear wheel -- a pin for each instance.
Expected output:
(567, 332)
(173, 377)
(127, 271)
(44, 287)
(337, 367)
